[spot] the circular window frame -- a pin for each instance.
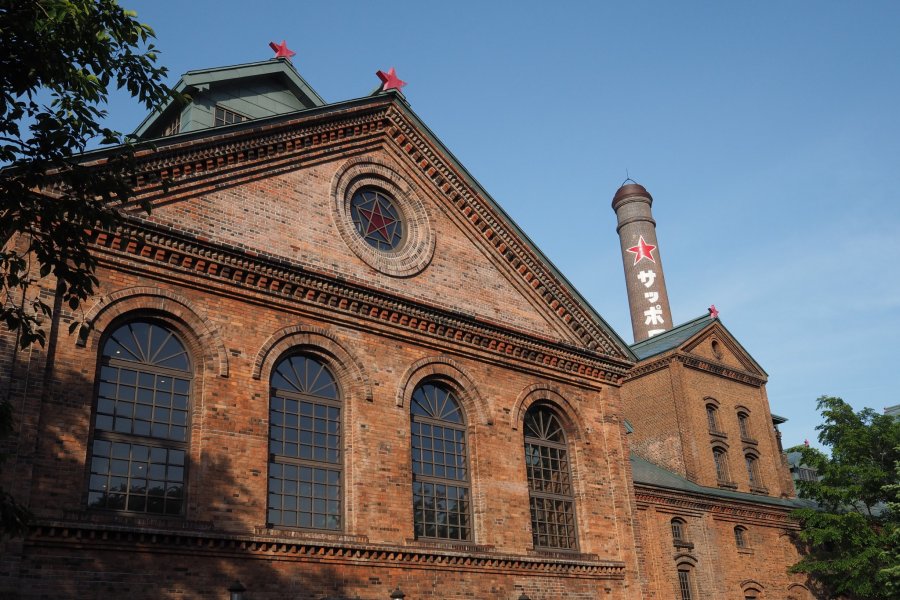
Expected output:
(416, 248)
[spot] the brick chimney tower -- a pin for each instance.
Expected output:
(647, 297)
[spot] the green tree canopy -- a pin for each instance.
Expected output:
(851, 539)
(58, 61)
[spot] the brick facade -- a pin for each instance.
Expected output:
(245, 258)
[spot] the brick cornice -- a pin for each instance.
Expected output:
(720, 508)
(272, 275)
(271, 545)
(641, 369)
(701, 364)
(476, 210)
(697, 363)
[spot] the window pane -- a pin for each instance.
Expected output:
(304, 430)
(549, 481)
(134, 398)
(439, 457)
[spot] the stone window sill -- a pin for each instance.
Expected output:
(729, 485)
(759, 490)
(718, 434)
(745, 550)
(751, 441)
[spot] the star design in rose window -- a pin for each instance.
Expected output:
(642, 250)
(377, 220)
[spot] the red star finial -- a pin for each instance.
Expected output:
(643, 250)
(389, 80)
(713, 312)
(281, 50)
(377, 221)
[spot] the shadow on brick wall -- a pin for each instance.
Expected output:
(76, 552)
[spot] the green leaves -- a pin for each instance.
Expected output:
(57, 61)
(853, 539)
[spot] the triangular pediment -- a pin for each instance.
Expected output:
(279, 173)
(716, 344)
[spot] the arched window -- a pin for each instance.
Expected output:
(712, 418)
(305, 456)
(551, 498)
(139, 448)
(740, 537)
(441, 497)
(679, 532)
(720, 458)
(753, 471)
(744, 424)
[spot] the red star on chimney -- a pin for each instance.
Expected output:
(713, 312)
(389, 80)
(281, 50)
(643, 250)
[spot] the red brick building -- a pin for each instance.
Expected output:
(328, 365)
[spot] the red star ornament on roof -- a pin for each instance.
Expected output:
(713, 312)
(642, 250)
(281, 50)
(389, 80)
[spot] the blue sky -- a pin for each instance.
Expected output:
(767, 132)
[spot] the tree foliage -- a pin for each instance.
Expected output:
(852, 539)
(58, 61)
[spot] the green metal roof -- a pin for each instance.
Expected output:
(647, 473)
(677, 336)
(671, 338)
(778, 419)
(280, 70)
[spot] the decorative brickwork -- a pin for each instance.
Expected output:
(417, 246)
(146, 299)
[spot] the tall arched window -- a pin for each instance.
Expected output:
(685, 585)
(740, 537)
(712, 418)
(720, 458)
(551, 496)
(679, 532)
(744, 425)
(753, 471)
(305, 456)
(441, 497)
(139, 448)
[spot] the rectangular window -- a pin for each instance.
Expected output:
(227, 117)
(173, 127)
(136, 478)
(684, 584)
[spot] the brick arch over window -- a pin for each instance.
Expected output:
(753, 589)
(550, 394)
(798, 591)
(205, 343)
(347, 368)
(444, 368)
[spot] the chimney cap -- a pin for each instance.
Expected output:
(629, 190)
